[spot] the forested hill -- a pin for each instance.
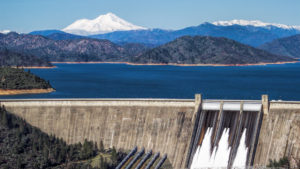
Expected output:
(72, 50)
(184, 50)
(11, 78)
(207, 50)
(24, 146)
(16, 59)
(289, 46)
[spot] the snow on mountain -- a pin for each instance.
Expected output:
(255, 23)
(102, 24)
(5, 31)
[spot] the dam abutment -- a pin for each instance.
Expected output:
(279, 134)
(175, 127)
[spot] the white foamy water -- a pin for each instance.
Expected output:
(241, 155)
(220, 156)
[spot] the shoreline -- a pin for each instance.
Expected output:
(4, 92)
(176, 64)
(35, 67)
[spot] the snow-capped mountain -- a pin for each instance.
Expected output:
(5, 31)
(255, 23)
(102, 24)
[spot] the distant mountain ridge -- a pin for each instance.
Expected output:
(46, 32)
(253, 33)
(15, 59)
(250, 35)
(56, 34)
(255, 23)
(206, 50)
(183, 50)
(288, 46)
(73, 50)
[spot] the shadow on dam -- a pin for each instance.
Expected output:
(193, 133)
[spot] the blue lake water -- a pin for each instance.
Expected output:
(280, 82)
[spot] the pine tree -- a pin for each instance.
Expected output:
(1, 115)
(19, 163)
(95, 147)
(101, 162)
(114, 156)
(101, 146)
(45, 153)
(4, 118)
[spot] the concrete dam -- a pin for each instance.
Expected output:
(187, 130)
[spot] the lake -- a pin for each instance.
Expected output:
(280, 82)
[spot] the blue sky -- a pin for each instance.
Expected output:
(29, 15)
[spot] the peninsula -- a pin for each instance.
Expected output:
(17, 81)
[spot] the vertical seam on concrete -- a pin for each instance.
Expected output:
(198, 109)
(267, 157)
(256, 137)
(261, 117)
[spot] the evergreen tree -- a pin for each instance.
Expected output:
(19, 163)
(102, 163)
(101, 146)
(114, 156)
(4, 119)
(87, 149)
(45, 153)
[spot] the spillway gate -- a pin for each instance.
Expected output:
(234, 116)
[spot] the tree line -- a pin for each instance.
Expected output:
(11, 78)
(25, 146)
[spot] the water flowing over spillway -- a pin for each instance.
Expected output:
(224, 139)
(220, 156)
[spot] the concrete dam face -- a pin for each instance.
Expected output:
(164, 126)
(193, 133)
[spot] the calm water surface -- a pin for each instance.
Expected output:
(127, 81)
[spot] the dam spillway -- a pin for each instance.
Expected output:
(170, 126)
(220, 118)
